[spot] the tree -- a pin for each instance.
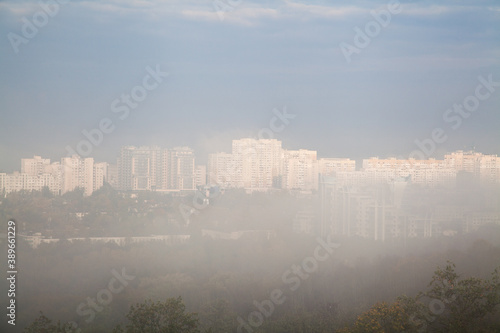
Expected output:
(162, 317)
(47, 193)
(454, 305)
(459, 305)
(43, 324)
(382, 318)
(218, 318)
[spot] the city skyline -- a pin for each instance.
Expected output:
(205, 158)
(252, 164)
(242, 165)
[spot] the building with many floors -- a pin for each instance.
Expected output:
(258, 163)
(181, 169)
(72, 172)
(141, 168)
(200, 173)
(253, 164)
(155, 168)
(221, 169)
(77, 172)
(300, 170)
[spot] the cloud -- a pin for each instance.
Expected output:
(250, 14)
(433, 10)
(20, 9)
(226, 74)
(246, 16)
(322, 11)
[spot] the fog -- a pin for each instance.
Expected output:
(242, 248)
(237, 166)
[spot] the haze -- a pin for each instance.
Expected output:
(250, 166)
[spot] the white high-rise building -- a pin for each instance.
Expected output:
(112, 175)
(300, 170)
(468, 161)
(140, 168)
(429, 172)
(124, 166)
(221, 169)
(486, 168)
(3, 180)
(146, 168)
(164, 170)
(154, 168)
(36, 173)
(200, 175)
(258, 163)
(181, 169)
(489, 169)
(20, 181)
(100, 172)
(331, 166)
(34, 166)
(77, 172)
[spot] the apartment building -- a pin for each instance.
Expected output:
(489, 169)
(36, 173)
(35, 166)
(258, 163)
(221, 169)
(99, 175)
(155, 168)
(140, 168)
(429, 172)
(200, 172)
(300, 170)
(181, 166)
(331, 166)
(77, 172)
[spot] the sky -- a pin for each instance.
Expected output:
(234, 64)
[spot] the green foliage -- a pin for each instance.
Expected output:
(160, 317)
(382, 318)
(46, 192)
(42, 324)
(218, 318)
(461, 303)
(323, 320)
(455, 305)
(220, 279)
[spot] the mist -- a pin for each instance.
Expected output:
(237, 166)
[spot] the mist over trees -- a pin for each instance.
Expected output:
(221, 166)
(220, 278)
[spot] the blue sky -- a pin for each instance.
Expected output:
(226, 76)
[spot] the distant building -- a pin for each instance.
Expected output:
(181, 175)
(258, 163)
(200, 175)
(221, 169)
(429, 172)
(77, 172)
(300, 170)
(468, 161)
(36, 174)
(489, 169)
(331, 166)
(100, 173)
(155, 168)
(141, 168)
(34, 166)
(253, 164)
(112, 175)
(3, 180)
